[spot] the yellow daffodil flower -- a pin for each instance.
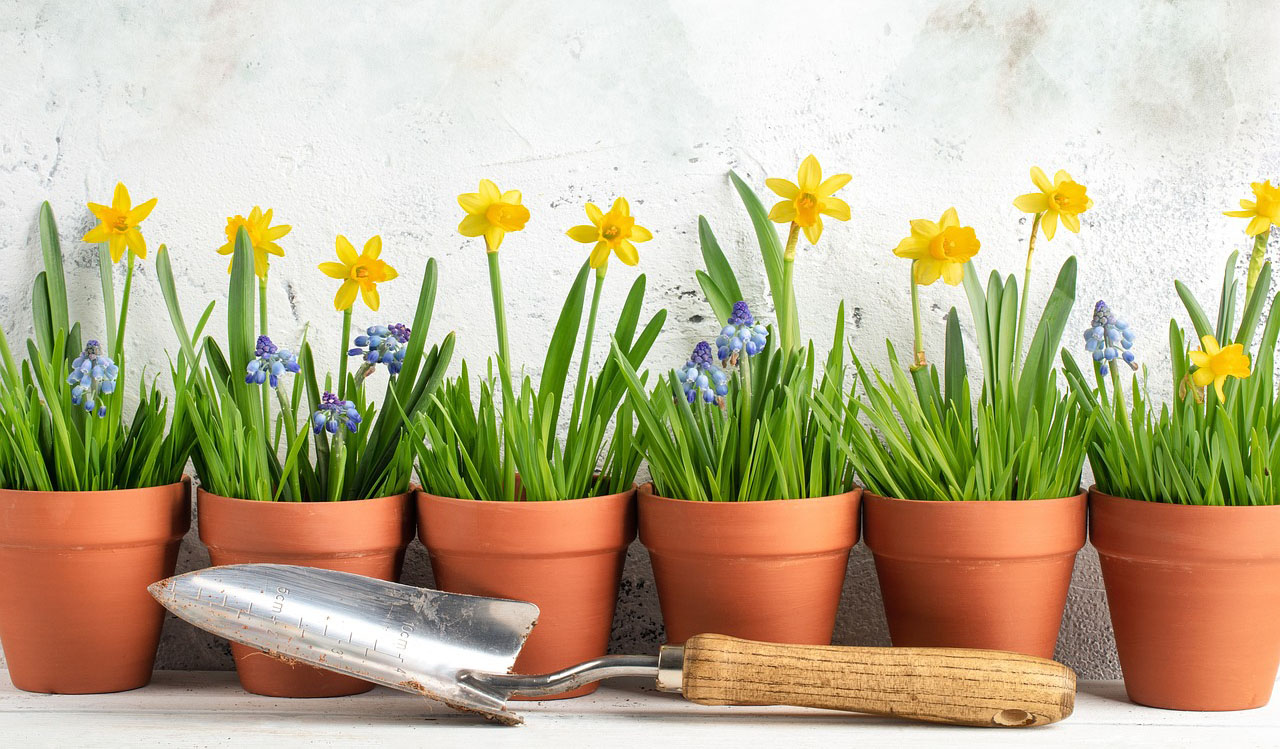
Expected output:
(1062, 199)
(1216, 363)
(262, 235)
(491, 213)
(940, 249)
(809, 198)
(118, 224)
(1263, 211)
(361, 273)
(615, 231)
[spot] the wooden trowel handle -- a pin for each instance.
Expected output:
(940, 685)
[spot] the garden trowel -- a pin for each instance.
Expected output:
(460, 649)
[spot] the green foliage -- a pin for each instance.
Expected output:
(925, 437)
(241, 436)
(49, 444)
(476, 449)
(1197, 450)
(768, 440)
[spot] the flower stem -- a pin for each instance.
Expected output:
(262, 325)
(787, 303)
(499, 312)
(342, 360)
(920, 362)
(1256, 259)
(586, 346)
(124, 308)
(1026, 293)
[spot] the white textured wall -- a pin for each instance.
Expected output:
(363, 118)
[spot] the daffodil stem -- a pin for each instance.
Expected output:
(787, 322)
(1256, 259)
(919, 361)
(262, 330)
(499, 312)
(1026, 294)
(586, 346)
(342, 360)
(124, 308)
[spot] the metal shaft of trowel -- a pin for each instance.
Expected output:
(665, 668)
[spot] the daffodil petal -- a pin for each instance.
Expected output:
(783, 187)
(1061, 176)
(952, 273)
(140, 212)
(832, 183)
(949, 218)
(813, 231)
(584, 233)
(627, 253)
(1041, 180)
(594, 214)
(120, 201)
(835, 208)
(924, 228)
(473, 225)
(1258, 225)
(1071, 221)
(115, 245)
(1050, 224)
(912, 247)
(783, 212)
(372, 248)
(621, 207)
(1202, 376)
(389, 273)
(512, 196)
(334, 270)
(810, 174)
(346, 295)
(99, 233)
(1032, 202)
(599, 255)
(493, 237)
(346, 252)
(1199, 358)
(137, 244)
(640, 234)
(369, 292)
(1210, 345)
(471, 202)
(276, 232)
(489, 191)
(926, 270)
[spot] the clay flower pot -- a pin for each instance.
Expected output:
(770, 571)
(75, 614)
(565, 556)
(1194, 593)
(365, 536)
(980, 574)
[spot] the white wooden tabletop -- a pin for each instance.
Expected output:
(208, 709)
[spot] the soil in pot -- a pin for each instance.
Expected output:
(75, 614)
(366, 537)
(1194, 593)
(980, 574)
(565, 556)
(770, 571)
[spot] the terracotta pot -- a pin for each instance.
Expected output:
(1194, 594)
(366, 537)
(979, 574)
(770, 571)
(75, 614)
(565, 556)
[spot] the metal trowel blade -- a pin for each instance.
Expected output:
(412, 639)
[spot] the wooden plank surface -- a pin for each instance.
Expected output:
(208, 709)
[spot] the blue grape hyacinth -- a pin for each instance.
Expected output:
(701, 378)
(1109, 338)
(742, 334)
(93, 375)
(333, 414)
(269, 363)
(381, 344)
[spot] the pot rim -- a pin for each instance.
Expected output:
(1176, 506)
(201, 492)
(423, 493)
(645, 492)
(35, 493)
(869, 495)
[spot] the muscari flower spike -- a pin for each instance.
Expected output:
(741, 334)
(1109, 338)
(700, 376)
(269, 363)
(381, 344)
(334, 413)
(93, 375)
